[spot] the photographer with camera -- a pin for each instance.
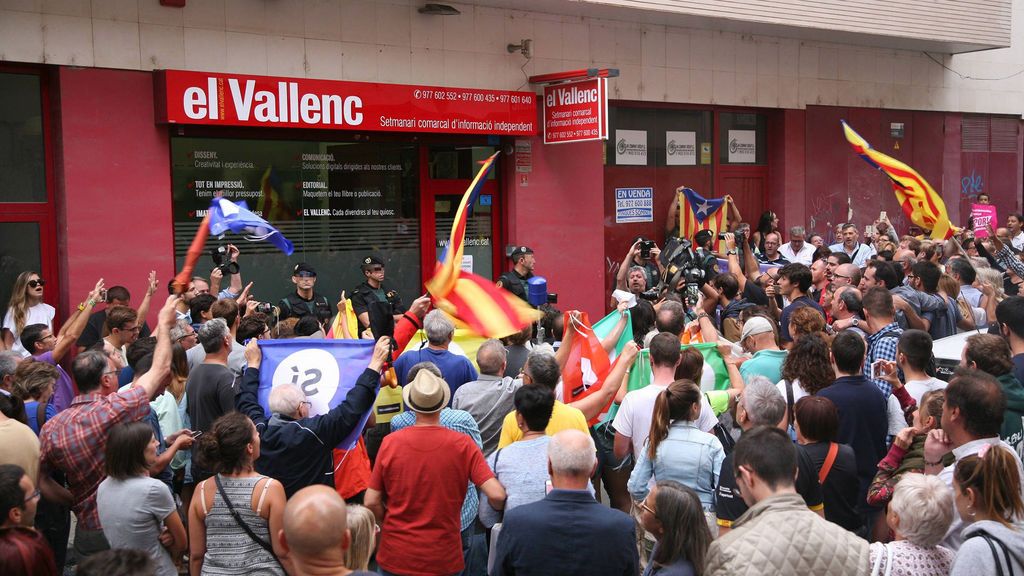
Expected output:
(640, 270)
(225, 260)
(522, 270)
(304, 301)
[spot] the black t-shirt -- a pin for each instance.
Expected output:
(754, 293)
(841, 486)
(93, 331)
(729, 505)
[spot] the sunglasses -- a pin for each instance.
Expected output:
(306, 275)
(643, 506)
(36, 283)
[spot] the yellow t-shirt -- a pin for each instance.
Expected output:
(563, 417)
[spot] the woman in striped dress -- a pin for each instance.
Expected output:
(234, 513)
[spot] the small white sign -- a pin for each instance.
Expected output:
(680, 148)
(742, 146)
(631, 148)
(467, 263)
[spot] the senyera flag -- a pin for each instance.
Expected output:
(486, 309)
(919, 201)
(226, 215)
(587, 365)
(325, 371)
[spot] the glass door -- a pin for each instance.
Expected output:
(446, 173)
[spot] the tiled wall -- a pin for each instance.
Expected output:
(390, 42)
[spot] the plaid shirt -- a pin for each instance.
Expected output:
(75, 440)
(1007, 259)
(882, 346)
(458, 421)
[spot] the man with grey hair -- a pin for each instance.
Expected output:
(852, 247)
(8, 364)
(489, 398)
(210, 387)
(296, 447)
(797, 250)
(846, 305)
(534, 534)
(761, 404)
(183, 333)
(456, 369)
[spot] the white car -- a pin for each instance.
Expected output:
(948, 351)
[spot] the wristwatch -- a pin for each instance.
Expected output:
(854, 322)
(732, 252)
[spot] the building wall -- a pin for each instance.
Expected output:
(384, 41)
(113, 196)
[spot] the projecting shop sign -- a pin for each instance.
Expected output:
(576, 111)
(243, 100)
(634, 205)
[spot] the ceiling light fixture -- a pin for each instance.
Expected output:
(439, 10)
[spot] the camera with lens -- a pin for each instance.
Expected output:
(645, 248)
(652, 295)
(223, 261)
(686, 269)
(268, 308)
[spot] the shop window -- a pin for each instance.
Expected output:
(658, 137)
(22, 156)
(458, 162)
(336, 201)
(743, 137)
(19, 251)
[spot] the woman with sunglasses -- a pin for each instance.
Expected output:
(673, 514)
(25, 307)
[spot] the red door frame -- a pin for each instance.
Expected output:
(429, 190)
(42, 213)
(720, 171)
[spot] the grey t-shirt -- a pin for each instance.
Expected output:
(488, 400)
(522, 468)
(132, 514)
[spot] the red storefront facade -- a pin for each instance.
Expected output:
(110, 180)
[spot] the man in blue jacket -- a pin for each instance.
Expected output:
(296, 449)
(567, 533)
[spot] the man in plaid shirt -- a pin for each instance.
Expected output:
(883, 332)
(74, 441)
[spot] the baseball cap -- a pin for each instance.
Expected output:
(303, 267)
(426, 393)
(755, 325)
(371, 261)
(520, 251)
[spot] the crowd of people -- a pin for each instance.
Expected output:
(813, 437)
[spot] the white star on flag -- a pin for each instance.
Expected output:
(703, 208)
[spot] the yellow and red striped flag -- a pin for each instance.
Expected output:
(486, 309)
(697, 213)
(922, 205)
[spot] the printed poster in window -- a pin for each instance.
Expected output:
(680, 148)
(631, 148)
(742, 146)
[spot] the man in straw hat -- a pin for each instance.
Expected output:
(419, 483)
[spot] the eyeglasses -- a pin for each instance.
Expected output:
(189, 335)
(911, 276)
(132, 329)
(35, 494)
(643, 506)
(307, 402)
(306, 275)
(834, 275)
(36, 283)
(111, 372)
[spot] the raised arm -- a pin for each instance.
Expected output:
(161, 370)
(151, 285)
(592, 405)
(609, 341)
(672, 221)
(623, 273)
(236, 279)
(247, 400)
(73, 327)
(337, 424)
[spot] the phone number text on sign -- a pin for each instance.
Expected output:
(471, 96)
(634, 205)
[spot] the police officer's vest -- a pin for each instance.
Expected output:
(514, 283)
(293, 305)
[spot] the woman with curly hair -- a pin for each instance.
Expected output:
(25, 307)
(807, 369)
(805, 320)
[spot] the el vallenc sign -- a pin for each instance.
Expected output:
(216, 99)
(576, 111)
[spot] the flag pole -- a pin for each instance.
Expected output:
(192, 256)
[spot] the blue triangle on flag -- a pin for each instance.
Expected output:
(702, 208)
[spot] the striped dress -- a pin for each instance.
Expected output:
(229, 549)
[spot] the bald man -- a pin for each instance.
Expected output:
(315, 534)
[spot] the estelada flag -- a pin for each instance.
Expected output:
(485, 308)
(919, 201)
(697, 213)
(587, 365)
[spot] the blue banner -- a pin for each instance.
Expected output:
(325, 371)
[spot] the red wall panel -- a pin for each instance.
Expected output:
(114, 183)
(557, 211)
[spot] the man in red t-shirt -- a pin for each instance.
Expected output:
(419, 482)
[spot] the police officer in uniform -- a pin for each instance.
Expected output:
(374, 290)
(304, 301)
(515, 280)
